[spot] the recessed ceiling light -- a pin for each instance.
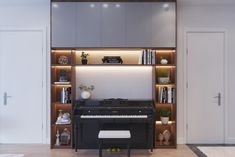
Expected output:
(92, 5)
(166, 5)
(105, 5)
(55, 5)
(117, 5)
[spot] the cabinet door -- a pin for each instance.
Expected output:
(113, 25)
(138, 24)
(164, 19)
(63, 24)
(88, 24)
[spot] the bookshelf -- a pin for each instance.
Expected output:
(131, 57)
(62, 91)
(165, 95)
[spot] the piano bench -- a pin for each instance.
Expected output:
(111, 135)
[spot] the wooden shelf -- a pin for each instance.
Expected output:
(165, 104)
(114, 65)
(170, 68)
(57, 71)
(160, 123)
(165, 65)
(59, 103)
(61, 66)
(62, 125)
(167, 84)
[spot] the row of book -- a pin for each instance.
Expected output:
(147, 57)
(65, 95)
(167, 94)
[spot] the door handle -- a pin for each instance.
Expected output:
(5, 97)
(219, 98)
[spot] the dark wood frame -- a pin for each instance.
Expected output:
(73, 76)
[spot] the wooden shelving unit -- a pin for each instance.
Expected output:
(95, 60)
(61, 78)
(170, 68)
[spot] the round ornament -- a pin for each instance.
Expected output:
(63, 60)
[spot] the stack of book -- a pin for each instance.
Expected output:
(65, 95)
(167, 95)
(147, 57)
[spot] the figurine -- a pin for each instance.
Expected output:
(57, 143)
(167, 136)
(160, 137)
(63, 118)
(65, 137)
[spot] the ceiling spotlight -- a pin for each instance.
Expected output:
(92, 5)
(105, 5)
(166, 5)
(55, 5)
(117, 5)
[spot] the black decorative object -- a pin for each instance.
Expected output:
(112, 60)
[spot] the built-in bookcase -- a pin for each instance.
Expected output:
(61, 92)
(131, 57)
(165, 95)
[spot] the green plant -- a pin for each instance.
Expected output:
(163, 73)
(84, 55)
(164, 112)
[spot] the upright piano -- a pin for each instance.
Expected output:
(91, 116)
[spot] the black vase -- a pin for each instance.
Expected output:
(84, 61)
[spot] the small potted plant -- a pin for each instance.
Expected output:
(163, 76)
(164, 115)
(84, 57)
(86, 91)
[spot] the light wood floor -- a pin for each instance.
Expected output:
(45, 151)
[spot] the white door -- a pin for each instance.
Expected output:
(21, 95)
(205, 91)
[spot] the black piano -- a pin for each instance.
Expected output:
(91, 116)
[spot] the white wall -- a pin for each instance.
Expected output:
(127, 82)
(37, 13)
(28, 13)
(207, 15)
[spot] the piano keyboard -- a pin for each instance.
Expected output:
(113, 116)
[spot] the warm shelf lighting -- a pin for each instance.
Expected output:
(165, 66)
(61, 51)
(165, 51)
(114, 68)
(165, 85)
(160, 123)
(61, 66)
(62, 85)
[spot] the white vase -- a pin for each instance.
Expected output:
(164, 61)
(85, 94)
(164, 120)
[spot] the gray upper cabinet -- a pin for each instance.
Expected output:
(88, 27)
(113, 24)
(138, 24)
(64, 24)
(164, 25)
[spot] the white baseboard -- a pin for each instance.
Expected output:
(181, 140)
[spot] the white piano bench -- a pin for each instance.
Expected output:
(111, 135)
